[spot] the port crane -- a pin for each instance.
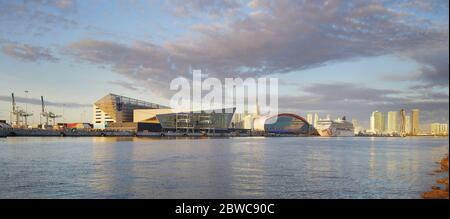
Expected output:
(18, 116)
(47, 115)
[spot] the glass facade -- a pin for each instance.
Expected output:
(196, 120)
(286, 124)
(120, 108)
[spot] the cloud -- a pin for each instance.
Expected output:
(125, 84)
(65, 4)
(350, 92)
(27, 52)
(47, 103)
(35, 17)
(197, 8)
(435, 65)
(279, 37)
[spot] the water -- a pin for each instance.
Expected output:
(51, 167)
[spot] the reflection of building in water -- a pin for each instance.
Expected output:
(113, 167)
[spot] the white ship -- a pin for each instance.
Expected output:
(335, 128)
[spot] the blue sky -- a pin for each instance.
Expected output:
(376, 55)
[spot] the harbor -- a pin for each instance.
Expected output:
(237, 167)
(115, 115)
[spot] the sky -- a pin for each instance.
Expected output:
(333, 57)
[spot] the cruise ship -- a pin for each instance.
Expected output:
(335, 128)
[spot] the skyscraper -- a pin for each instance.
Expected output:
(415, 122)
(408, 124)
(355, 123)
(392, 125)
(356, 127)
(316, 119)
(377, 123)
(309, 118)
(372, 123)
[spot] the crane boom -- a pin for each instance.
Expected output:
(13, 102)
(42, 103)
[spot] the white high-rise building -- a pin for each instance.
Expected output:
(377, 124)
(415, 123)
(392, 125)
(372, 123)
(309, 118)
(408, 124)
(356, 126)
(316, 119)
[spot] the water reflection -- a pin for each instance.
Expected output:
(106, 167)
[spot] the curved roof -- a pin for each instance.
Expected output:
(291, 115)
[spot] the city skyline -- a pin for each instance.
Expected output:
(74, 52)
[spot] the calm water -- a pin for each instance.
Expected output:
(218, 168)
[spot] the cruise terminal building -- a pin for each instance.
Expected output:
(115, 112)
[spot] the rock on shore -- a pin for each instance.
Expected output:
(436, 192)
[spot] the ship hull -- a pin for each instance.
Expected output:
(335, 133)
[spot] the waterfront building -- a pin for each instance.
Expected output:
(287, 123)
(408, 124)
(245, 120)
(114, 108)
(415, 122)
(372, 123)
(439, 129)
(172, 120)
(316, 119)
(309, 118)
(357, 128)
(377, 123)
(392, 122)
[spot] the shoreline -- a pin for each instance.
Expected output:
(436, 191)
(114, 133)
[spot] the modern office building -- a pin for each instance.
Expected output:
(377, 123)
(287, 123)
(171, 120)
(415, 126)
(393, 122)
(114, 108)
